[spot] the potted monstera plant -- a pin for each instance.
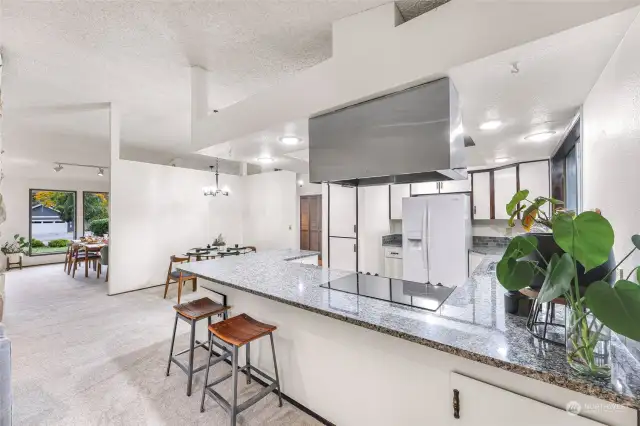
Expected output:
(593, 308)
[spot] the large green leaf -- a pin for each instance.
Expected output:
(588, 237)
(520, 246)
(560, 272)
(517, 198)
(514, 275)
(553, 201)
(618, 307)
(635, 239)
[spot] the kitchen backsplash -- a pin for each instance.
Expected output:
(481, 241)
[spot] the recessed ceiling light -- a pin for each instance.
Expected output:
(290, 140)
(265, 160)
(502, 159)
(541, 136)
(491, 125)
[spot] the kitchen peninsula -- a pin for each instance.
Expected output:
(368, 361)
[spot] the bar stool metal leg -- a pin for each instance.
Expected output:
(275, 366)
(206, 374)
(173, 340)
(191, 350)
(234, 377)
(248, 363)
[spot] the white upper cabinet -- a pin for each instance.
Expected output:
(456, 185)
(535, 178)
(505, 185)
(398, 192)
(481, 196)
(342, 211)
(424, 188)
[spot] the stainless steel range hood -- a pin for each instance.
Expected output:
(406, 137)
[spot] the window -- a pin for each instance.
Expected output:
(571, 181)
(95, 206)
(52, 221)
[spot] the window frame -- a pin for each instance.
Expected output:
(75, 219)
(93, 192)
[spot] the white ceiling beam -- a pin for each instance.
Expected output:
(417, 51)
(199, 96)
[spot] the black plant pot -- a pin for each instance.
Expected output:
(547, 247)
(517, 304)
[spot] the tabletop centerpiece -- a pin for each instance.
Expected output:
(594, 306)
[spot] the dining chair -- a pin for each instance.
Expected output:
(87, 255)
(179, 277)
(67, 256)
(104, 260)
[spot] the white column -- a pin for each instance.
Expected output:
(114, 142)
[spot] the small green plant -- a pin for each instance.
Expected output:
(18, 245)
(99, 227)
(586, 239)
(61, 242)
(35, 243)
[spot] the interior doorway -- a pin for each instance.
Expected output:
(311, 223)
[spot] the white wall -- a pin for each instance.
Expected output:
(269, 214)
(373, 223)
(158, 211)
(611, 144)
(15, 190)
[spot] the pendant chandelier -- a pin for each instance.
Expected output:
(215, 190)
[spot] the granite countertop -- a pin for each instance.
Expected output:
(471, 323)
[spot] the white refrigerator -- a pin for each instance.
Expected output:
(436, 238)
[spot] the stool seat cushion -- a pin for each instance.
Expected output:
(185, 275)
(200, 308)
(240, 330)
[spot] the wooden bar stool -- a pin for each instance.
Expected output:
(192, 312)
(239, 331)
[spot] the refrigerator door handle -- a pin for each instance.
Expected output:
(428, 238)
(425, 254)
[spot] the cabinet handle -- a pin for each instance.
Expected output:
(355, 250)
(355, 228)
(456, 404)
(474, 209)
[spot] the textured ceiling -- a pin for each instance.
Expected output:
(65, 54)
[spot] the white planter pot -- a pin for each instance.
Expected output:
(14, 257)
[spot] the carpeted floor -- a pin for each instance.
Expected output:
(81, 357)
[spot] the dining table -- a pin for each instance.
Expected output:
(89, 246)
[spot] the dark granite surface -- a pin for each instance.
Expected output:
(471, 323)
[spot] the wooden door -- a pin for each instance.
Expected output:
(311, 222)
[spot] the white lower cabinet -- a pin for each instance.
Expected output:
(481, 404)
(342, 253)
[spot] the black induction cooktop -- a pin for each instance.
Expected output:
(410, 293)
